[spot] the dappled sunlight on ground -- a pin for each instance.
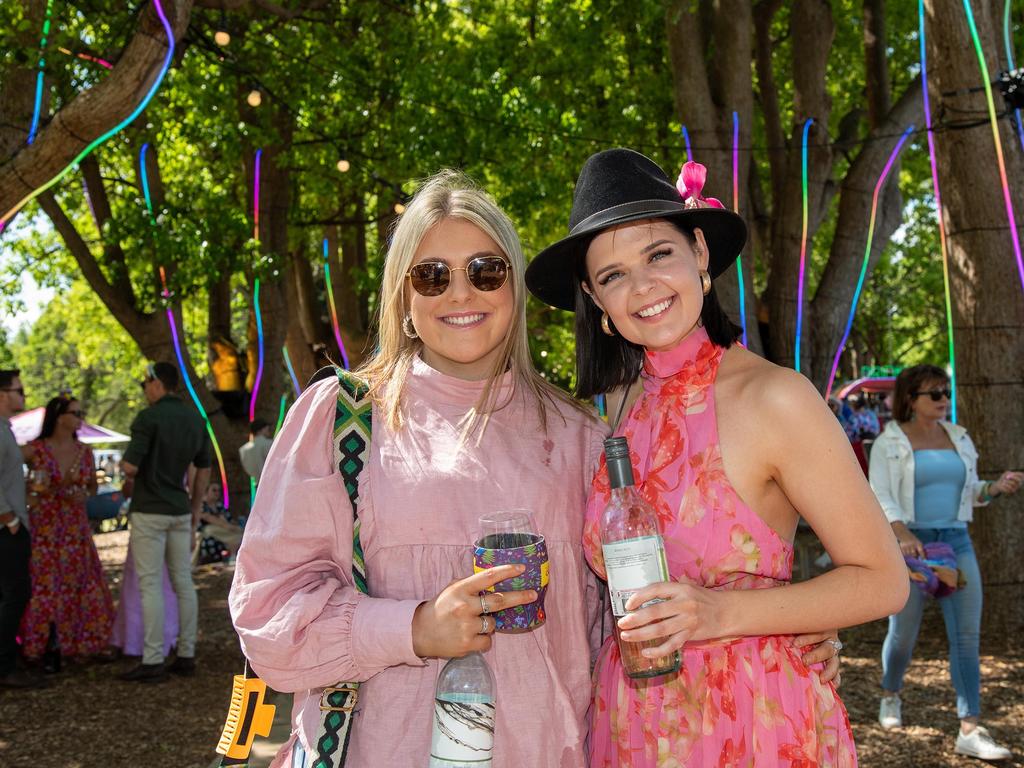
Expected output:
(106, 723)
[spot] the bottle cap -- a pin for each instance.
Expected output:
(616, 448)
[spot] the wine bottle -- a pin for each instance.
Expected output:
(463, 715)
(634, 556)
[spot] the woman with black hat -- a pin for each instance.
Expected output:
(715, 453)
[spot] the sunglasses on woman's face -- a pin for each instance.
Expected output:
(485, 273)
(935, 394)
(79, 413)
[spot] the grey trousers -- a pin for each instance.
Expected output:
(154, 540)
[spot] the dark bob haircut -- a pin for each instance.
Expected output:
(56, 408)
(908, 384)
(605, 362)
(7, 377)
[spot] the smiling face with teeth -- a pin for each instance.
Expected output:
(646, 276)
(464, 329)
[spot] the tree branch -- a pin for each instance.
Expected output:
(94, 111)
(113, 254)
(876, 62)
(269, 8)
(764, 13)
(114, 301)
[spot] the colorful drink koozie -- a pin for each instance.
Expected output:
(527, 549)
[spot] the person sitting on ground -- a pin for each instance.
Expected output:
(219, 532)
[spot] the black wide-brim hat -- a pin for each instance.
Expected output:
(617, 186)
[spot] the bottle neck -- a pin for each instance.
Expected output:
(620, 473)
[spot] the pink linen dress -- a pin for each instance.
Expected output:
(747, 701)
(303, 626)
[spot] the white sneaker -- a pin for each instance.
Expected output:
(890, 712)
(978, 743)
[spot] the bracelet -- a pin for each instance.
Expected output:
(986, 495)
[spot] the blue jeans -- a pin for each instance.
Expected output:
(962, 614)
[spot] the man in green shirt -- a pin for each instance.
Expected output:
(167, 437)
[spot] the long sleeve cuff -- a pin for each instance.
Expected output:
(382, 634)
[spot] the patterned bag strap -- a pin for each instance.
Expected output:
(352, 422)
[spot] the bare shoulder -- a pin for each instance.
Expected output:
(756, 383)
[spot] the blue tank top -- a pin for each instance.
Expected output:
(939, 477)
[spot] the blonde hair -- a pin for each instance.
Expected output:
(450, 194)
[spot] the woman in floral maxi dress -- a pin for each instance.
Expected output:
(730, 451)
(71, 608)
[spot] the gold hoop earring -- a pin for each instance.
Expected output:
(408, 328)
(605, 325)
(705, 281)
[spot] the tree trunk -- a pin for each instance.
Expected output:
(274, 206)
(988, 304)
(813, 31)
(706, 100)
(830, 308)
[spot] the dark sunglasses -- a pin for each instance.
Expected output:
(144, 382)
(19, 390)
(935, 394)
(485, 273)
(79, 413)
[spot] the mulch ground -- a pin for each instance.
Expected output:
(89, 719)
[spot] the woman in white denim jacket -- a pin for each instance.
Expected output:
(924, 471)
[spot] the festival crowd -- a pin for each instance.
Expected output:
(55, 604)
(354, 573)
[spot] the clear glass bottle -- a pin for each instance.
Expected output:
(634, 556)
(463, 715)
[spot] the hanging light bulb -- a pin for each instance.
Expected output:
(344, 165)
(399, 209)
(255, 98)
(221, 37)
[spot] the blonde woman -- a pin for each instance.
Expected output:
(462, 425)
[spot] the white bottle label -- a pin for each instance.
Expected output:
(463, 732)
(631, 565)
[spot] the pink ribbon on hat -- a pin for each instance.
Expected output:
(690, 185)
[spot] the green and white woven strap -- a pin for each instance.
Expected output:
(352, 422)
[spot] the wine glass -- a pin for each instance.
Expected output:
(38, 479)
(512, 536)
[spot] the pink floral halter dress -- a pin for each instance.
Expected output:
(746, 701)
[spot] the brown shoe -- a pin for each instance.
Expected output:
(22, 680)
(145, 673)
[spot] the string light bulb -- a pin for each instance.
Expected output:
(255, 98)
(222, 38)
(399, 208)
(344, 165)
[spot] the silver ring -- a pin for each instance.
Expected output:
(483, 605)
(836, 643)
(483, 625)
